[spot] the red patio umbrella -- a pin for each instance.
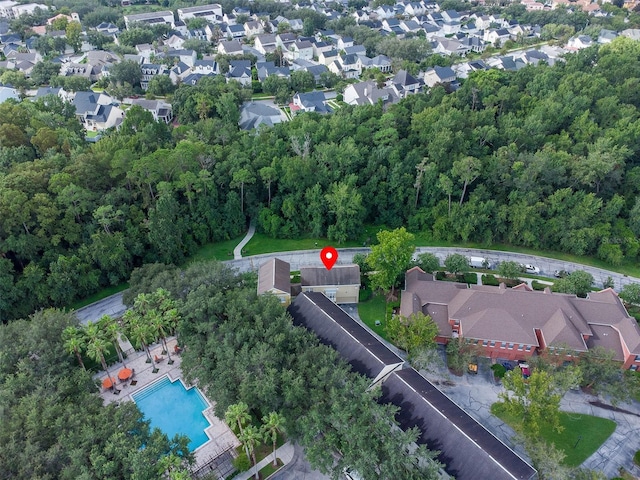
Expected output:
(107, 382)
(124, 374)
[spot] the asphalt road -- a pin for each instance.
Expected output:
(113, 305)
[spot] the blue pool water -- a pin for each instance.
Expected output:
(174, 409)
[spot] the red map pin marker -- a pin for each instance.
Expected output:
(329, 257)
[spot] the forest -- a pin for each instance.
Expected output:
(546, 157)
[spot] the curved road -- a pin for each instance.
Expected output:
(114, 307)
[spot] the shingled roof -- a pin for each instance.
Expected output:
(467, 449)
(338, 275)
(274, 274)
(366, 354)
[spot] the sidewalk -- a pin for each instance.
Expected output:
(284, 453)
(237, 252)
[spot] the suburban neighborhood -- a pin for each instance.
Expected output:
(314, 239)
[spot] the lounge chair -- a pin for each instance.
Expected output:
(177, 350)
(158, 359)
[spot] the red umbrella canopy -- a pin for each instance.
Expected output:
(107, 383)
(124, 374)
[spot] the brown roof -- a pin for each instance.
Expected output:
(338, 275)
(274, 274)
(608, 338)
(513, 315)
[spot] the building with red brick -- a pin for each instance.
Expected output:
(516, 323)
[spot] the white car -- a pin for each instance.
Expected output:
(531, 269)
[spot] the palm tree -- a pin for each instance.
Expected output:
(237, 413)
(141, 333)
(112, 332)
(160, 322)
(97, 346)
(250, 438)
(271, 426)
(74, 343)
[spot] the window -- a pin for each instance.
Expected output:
(528, 349)
(331, 294)
(634, 368)
(520, 347)
(493, 344)
(503, 345)
(637, 358)
(511, 346)
(485, 343)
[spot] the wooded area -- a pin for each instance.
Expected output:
(545, 157)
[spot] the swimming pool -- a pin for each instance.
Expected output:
(174, 409)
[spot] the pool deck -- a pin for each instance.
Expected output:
(220, 435)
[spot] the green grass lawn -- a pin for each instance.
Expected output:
(372, 310)
(582, 434)
(104, 293)
(217, 250)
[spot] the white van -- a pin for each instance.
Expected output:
(479, 262)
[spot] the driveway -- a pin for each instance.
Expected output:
(299, 469)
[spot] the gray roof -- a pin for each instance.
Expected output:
(338, 275)
(467, 449)
(274, 274)
(366, 354)
(85, 102)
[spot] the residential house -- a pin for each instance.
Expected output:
(296, 24)
(499, 35)
(174, 42)
(96, 111)
(72, 69)
(344, 43)
(206, 66)
(384, 12)
(328, 57)
(368, 93)
(321, 46)
(235, 31)
(188, 57)
(414, 8)
(465, 448)
(317, 71)
(161, 110)
(164, 17)
(253, 28)
(57, 91)
(310, 102)
(212, 13)
(449, 47)
(607, 36)
(380, 62)
(300, 49)
(274, 276)
(285, 40)
(518, 322)
(579, 42)
(349, 66)
(8, 93)
(473, 44)
(405, 84)
(367, 355)
(150, 70)
(253, 115)
(240, 71)
(341, 284)
(267, 69)
(99, 60)
(437, 75)
(355, 50)
(107, 28)
(230, 47)
(265, 43)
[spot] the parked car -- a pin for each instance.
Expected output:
(531, 268)
(524, 367)
(560, 273)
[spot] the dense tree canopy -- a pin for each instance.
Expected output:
(545, 157)
(53, 424)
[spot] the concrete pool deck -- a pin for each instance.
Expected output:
(221, 438)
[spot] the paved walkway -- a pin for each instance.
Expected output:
(284, 453)
(237, 252)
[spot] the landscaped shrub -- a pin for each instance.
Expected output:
(636, 458)
(242, 462)
(536, 285)
(490, 280)
(440, 276)
(498, 370)
(391, 306)
(471, 278)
